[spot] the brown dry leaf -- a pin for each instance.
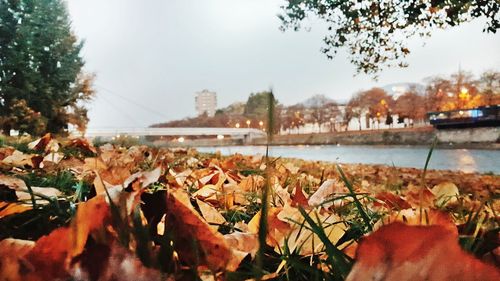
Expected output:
(292, 168)
(54, 157)
(245, 242)
(304, 240)
(390, 201)
(251, 183)
(204, 176)
(144, 178)
(12, 252)
(115, 175)
(99, 185)
(211, 215)
(419, 197)
(209, 191)
(74, 164)
(6, 151)
(49, 256)
(242, 245)
(94, 164)
(194, 239)
(24, 194)
(324, 193)
(90, 216)
(280, 194)
(276, 228)
(299, 198)
(181, 177)
(41, 143)
(12, 182)
(428, 217)
(83, 144)
(19, 159)
(398, 252)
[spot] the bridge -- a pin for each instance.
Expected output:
(235, 133)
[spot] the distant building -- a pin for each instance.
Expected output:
(206, 102)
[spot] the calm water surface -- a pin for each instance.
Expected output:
(466, 160)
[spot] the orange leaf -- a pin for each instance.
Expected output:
(82, 144)
(52, 254)
(391, 201)
(7, 208)
(194, 239)
(90, 216)
(400, 252)
(14, 265)
(49, 256)
(428, 217)
(40, 143)
(419, 197)
(276, 228)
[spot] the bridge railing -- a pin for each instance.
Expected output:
(233, 132)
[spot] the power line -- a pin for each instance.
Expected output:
(117, 109)
(146, 108)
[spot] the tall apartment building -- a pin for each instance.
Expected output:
(206, 101)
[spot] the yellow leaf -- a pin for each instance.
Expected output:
(446, 193)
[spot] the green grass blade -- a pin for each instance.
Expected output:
(358, 205)
(428, 159)
(262, 235)
(341, 265)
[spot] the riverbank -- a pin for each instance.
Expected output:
(474, 138)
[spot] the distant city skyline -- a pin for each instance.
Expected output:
(150, 59)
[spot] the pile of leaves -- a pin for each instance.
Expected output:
(71, 211)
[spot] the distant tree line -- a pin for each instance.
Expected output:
(460, 90)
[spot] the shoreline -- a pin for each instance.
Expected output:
(478, 146)
(477, 138)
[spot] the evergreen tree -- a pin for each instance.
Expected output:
(40, 68)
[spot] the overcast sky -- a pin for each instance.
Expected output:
(151, 56)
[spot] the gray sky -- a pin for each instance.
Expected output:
(151, 56)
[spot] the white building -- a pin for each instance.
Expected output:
(206, 102)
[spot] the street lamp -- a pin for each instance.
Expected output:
(237, 125)
(261, 123)
(248, 123)
(463, 96)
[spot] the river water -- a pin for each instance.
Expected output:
(466, 160)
